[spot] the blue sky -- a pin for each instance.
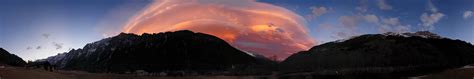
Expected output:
(452, 24)
(36, 29)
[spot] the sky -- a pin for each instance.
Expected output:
(34, 29)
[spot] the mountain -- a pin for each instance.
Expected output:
(10, 59)
(392, 54)
(169, 51)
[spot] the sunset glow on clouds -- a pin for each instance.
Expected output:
(248, 25)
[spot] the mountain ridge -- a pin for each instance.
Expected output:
(167, 51)
(405, 54)
(10, 59)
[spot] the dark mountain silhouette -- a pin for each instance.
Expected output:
(389, 54)
(169, 51)
(10, 59)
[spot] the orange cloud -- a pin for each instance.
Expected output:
(246, 24)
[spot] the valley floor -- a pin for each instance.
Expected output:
(463, 73)
(23, 73)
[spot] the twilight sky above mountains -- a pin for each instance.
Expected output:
(35, 29)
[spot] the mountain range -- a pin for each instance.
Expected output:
(168, 51)
(389, 54)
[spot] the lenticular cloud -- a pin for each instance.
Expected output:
(251, 26)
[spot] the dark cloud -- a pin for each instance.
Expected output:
(28, 48)
(45, 35)
(38, 47)
(58, 45)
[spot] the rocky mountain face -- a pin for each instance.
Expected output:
(10, 59)
(389, 54)
(169, 51)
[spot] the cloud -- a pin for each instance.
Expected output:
(371, 18)
(431, 6)
(239, 22)
(428, 20)
(348, 26)
(45, 35)
(115, 17)
(402, 28)
(318, 11)
(467, 14)
(383, 5)
(391, 21)
(28, 48)
(363, 6)
(58, 45)
(350, 22)
(393, 25)
(38, 47)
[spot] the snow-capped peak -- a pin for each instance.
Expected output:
(423, 34)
